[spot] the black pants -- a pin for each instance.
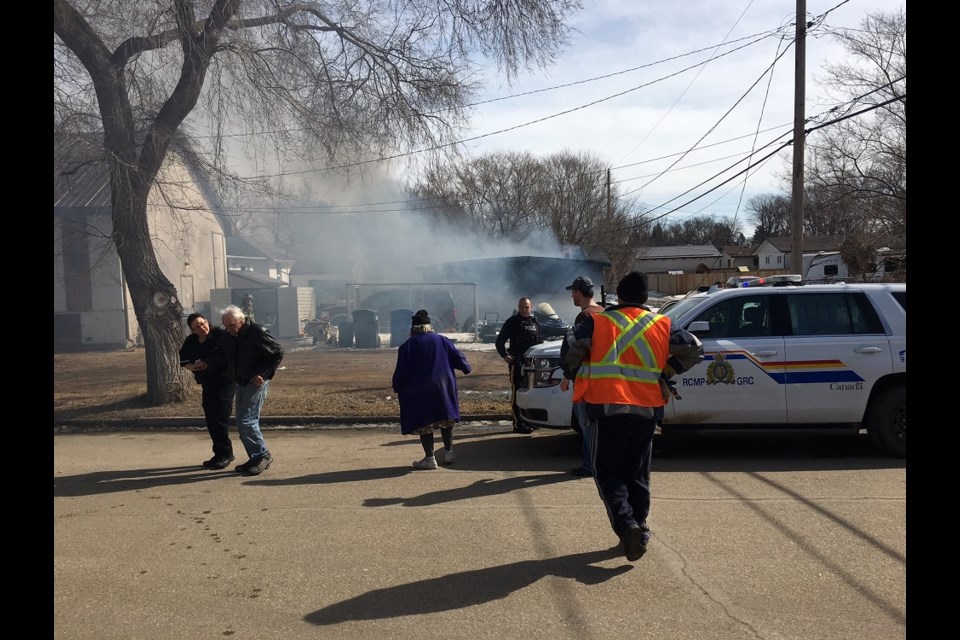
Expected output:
(516, 382)
(624, 445)
(217, 402)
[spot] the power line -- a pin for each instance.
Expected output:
(762, 160)
(756, 36)
(411, 205)
(507, 129)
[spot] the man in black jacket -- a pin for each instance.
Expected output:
(202, 354)
(254, 357)
(522, 331)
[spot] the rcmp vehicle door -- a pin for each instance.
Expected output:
(740, 379)
(837, 342)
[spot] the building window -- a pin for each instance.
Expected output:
(766, 260)
(779, 259)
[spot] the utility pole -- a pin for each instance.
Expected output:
(796, 247)
(608, 194)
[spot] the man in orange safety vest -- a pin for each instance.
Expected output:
(621, 361)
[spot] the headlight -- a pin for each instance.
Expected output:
(542, 372)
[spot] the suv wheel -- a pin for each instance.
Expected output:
(887, 422)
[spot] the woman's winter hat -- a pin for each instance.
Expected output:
(421, 317)
(633, 288)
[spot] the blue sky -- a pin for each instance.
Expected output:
(642, 131)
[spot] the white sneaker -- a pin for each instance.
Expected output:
(446, 457)
(426, 463)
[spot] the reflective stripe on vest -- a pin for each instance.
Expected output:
(629, 349)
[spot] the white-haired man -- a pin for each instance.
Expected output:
(254, 357)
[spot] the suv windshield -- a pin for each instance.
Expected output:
(678, 308)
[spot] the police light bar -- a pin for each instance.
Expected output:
(773, 280)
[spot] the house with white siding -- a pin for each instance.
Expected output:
(92, 307)
(775, 252)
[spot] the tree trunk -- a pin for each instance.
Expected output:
(155, 301)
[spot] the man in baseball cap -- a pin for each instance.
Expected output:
(583, 284)
(582, 292)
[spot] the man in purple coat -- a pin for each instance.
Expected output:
(426, 384)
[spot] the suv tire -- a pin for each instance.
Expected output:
(886, 421)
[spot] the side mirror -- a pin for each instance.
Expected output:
(699, 327)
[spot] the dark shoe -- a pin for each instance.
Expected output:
(260, 464)
(217, 462)
(522, 429)
(243, 468)
(582, 472)
(535, 427)
(633, 542)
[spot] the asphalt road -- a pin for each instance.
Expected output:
(774, 538)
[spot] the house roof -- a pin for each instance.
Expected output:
(239, 279)
(697, 251)
(739, 250)
(86, 186)
(238, 247)
(811, 244)
(81, 177)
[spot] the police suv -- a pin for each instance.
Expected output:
(795, 356)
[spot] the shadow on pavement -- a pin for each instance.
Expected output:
(479, 489)
(552, 454)
(559, 451)
(89, 484)
(788, 451)
(468, 588)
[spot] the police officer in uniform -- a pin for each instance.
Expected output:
(522, 331)
(622, 360)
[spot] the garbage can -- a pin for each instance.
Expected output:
(400, 320)
(345, 334)
(366, 328)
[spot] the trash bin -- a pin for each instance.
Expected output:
(345, 334)
(400, 320)
(366, 329)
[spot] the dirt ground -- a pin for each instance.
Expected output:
(313, 381)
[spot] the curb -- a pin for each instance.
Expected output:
(266, 423)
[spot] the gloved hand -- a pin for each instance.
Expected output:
(668, 389)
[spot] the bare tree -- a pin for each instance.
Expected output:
(771, 215)
(857, 166)
(330, 77)
(513, 194)
(718, 232)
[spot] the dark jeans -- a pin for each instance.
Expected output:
(622, 468)
(217, 402)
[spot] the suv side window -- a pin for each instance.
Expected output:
(901, 297)
(821, 314)
(739, 317)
